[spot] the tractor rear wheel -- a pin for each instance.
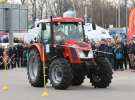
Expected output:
(35, 69)
(60, 74)
(102, 76)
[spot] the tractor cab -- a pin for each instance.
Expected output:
(62, 31)
(65, 34)
(56, 30)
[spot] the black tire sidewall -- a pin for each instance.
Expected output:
(38, 81)
(104, 71)
(66, 80)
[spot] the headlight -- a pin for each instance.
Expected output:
(90, 55)
(83, 56)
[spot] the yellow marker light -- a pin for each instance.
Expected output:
(45, 94)
(5, 88)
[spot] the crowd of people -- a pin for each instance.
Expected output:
(121, 55)
(13, 56)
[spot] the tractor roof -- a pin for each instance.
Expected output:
(62, 19)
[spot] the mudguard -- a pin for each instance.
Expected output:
(40, 49)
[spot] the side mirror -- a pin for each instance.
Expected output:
(94, 26)
(43, 26)
(83, 23)
(37, 25)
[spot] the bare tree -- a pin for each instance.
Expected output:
(41, 4)
(22, 2)
(133, 2)
(33, 2)
(60, 6)
(102, 12)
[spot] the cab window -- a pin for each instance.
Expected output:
(46, 34)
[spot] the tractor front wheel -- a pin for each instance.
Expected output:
(60, 74)
(102, 76)
(79, 75)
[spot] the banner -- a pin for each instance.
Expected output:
(131, 27)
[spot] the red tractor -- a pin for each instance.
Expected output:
(68, 57)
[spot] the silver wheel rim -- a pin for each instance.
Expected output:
(57, 74)
(33, 67)
(96, 78)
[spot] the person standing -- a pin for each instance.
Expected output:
(110, 51)
(126, 56)
(102, 48)
(25, 55)
(16, 55)
(119, 56)
(19, 56)
(1, 57)
(131, 53)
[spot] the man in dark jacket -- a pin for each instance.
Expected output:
(110, 51)
(25, 55)
(131, 54)
(102, 48)
(1, 57)
(19, 54)
(126, 56)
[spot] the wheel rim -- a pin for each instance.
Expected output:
(33, 67)
(57, 74)
(96, 78)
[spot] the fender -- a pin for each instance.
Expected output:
(40, 49)
(71, 54)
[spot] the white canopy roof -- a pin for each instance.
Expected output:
(96, 35)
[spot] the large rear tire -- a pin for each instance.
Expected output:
(35, 69)
(102, 76)
(60, 74)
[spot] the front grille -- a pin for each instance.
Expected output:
(88, 59)
(86, 53)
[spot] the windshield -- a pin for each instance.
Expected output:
(68, 31)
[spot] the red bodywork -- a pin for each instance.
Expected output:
(77, 45)
(61, 19)
(40, 49)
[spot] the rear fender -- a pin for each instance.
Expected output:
(40, 49)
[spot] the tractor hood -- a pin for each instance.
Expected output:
(78, 45)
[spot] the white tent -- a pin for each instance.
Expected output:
(96, 35)
(32, 34)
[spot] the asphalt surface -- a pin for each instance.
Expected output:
(121, 88)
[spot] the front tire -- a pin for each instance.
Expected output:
(60, 74)
(102, 76)
(79, 75)
(35, 69)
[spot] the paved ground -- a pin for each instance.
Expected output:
(122, 88)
